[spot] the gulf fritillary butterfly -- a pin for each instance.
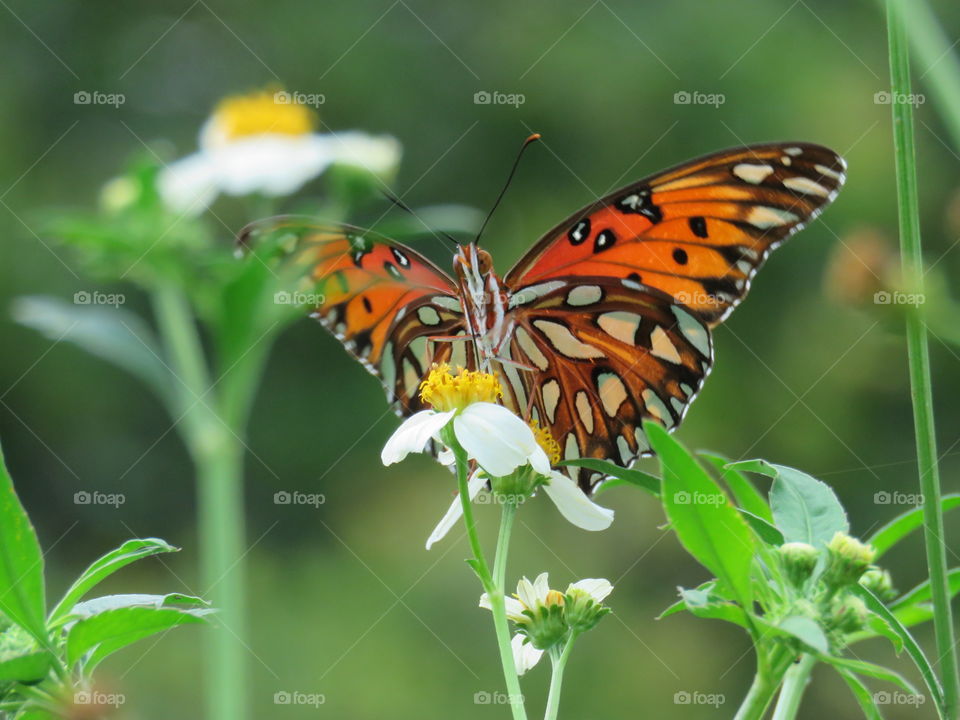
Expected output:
(604, 322)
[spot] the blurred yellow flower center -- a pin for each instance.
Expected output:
(263, 112)
(546, 441)
(446, 391)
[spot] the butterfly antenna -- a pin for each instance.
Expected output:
(513, 170)
(406, 208)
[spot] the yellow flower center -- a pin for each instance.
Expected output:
(446, 391)
(263, 112)
(546, 441)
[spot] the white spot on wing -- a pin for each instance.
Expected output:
(531, 350)
(828, 172)
(428, 315)
(626, 454)
(692, 330)
(584, 410)
(806, 185)
(584, 295)
(550, 392)
(754, 174)
(656, 408)
(529, 294)
(565, 343)
(620, 325)
(445, 301)
(612, 392)
(763, 217)
(662, 347)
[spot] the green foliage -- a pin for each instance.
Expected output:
(45, 657)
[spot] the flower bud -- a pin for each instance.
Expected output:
(847, 560)
(582, 610)
(799, 560)
(878, 581)
(848, 614)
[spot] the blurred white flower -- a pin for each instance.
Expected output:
(258, 143)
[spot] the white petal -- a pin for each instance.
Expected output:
(575, 506)
(413, 434)
(597, 588)
(513, 606)
(188, 185)
(474, 485)
(378, 155)
(525, 655)
(497, 439)
(541, 586)
(272, 164)
(527, 593)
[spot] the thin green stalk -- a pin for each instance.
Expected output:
(503, 544)
(911, 252)
(218, 456)
(769, 675)
(794, 684)
(559, 662)
(941, 67)
(494, 590)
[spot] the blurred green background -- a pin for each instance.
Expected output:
(344, 600)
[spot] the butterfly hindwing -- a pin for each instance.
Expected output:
(602, 355)
(384, 301)
(699, 231)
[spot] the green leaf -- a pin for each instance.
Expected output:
(103, 634)
(862, 693)
(625, 476)
(921, 593)
(875, 605)
(745, 492)
(870, 670)
(707, 524)
(111, 333)
(21, 563)
(764, 530)
(905, 523)
(807, 631)
(98, 605)
(804, 509)
(28, 668)
(129, 552)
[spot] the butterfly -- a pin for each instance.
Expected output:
(604, 322)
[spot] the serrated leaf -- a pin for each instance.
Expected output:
(100, 569)
(21, 564)
(707, 524)
(103, 634)
(804, 508)
(875, 605)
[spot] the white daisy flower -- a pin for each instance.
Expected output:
(258, 144)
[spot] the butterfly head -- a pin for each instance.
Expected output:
(472, 265)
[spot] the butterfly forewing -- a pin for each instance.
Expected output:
(393, 309)
(699, 231)
(602, 356)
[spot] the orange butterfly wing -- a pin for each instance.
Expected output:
(384, 301)
(628, 288)
(699, 231)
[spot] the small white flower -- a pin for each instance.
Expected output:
(254, 144)
(513, 606)
(597, 588)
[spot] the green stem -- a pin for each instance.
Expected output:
(765, 683)
(556, 678)
(503, 544)
(919, 361)
(794, 683)
(493, 589)
(217, 453)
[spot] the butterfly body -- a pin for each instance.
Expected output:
(605, 322)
